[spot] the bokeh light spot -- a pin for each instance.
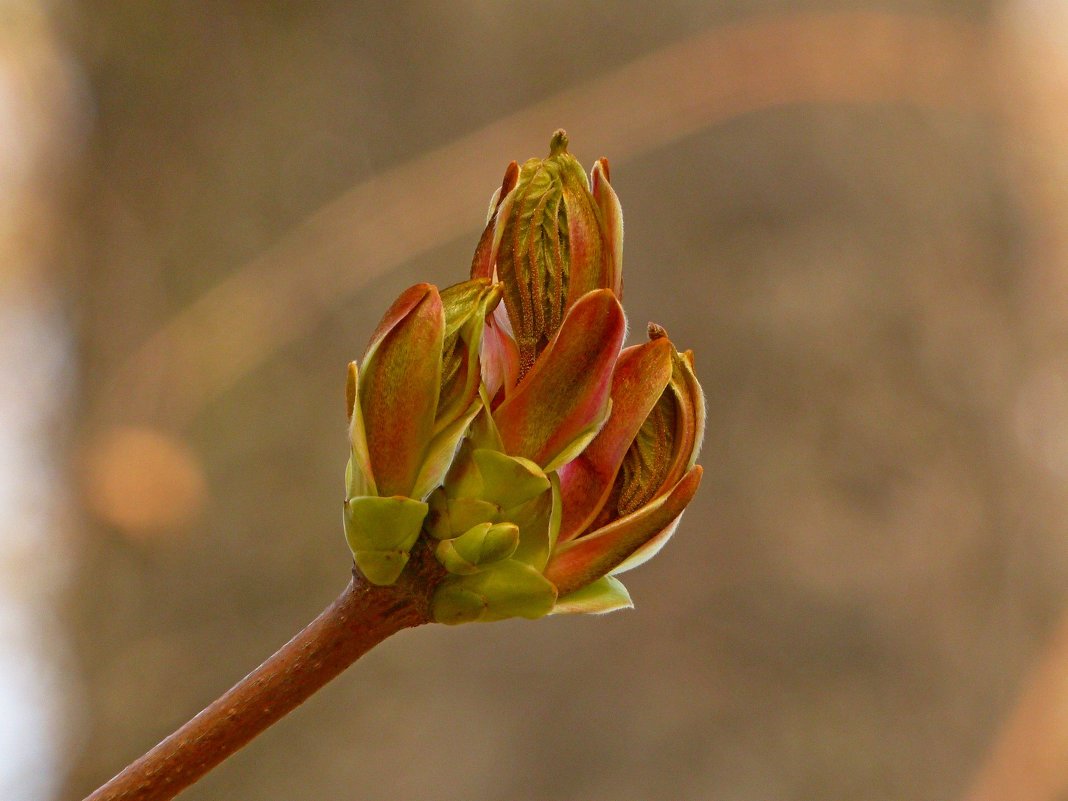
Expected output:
(143, 481)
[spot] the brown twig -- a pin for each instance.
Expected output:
(360, 618)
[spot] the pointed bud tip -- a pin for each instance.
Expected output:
(418, 291)
(405, 303)
(350, 390)
(558, 144)
(657, 331)
(602, 164)
(511, 176)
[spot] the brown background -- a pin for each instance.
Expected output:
(852, 212)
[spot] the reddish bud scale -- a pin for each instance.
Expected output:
(400, 387)
(540, 457)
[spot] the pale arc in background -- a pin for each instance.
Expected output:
(411, 209)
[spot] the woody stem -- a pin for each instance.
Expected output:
(360, 618)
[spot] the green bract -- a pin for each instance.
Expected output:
(535, 456)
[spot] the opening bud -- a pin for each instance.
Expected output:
(552, 241)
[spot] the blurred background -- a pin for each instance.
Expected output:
(856, 213)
